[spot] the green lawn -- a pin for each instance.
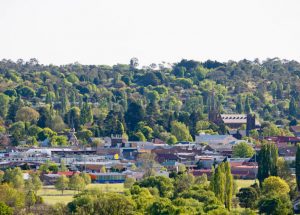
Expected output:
(244, 183)
(52, 196)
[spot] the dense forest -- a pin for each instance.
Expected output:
(157, 101)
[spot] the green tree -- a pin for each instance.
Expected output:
(36, 182)
(129, 182)
(59, 141)
(77, 183)
(163, 206)
(297, 166)
(14, 177)
(46, 133)
(218, 183)
(275, 205)
(27, 114)
(247, 197)
(183, 182)
(30, 199)
(180, 131)
(243, 150)
(247, 105)
(86, 113)
(17, 131)
(275, 185)
(292, 107)
(239, 105)
(62, 183)
(163, 184)
(138, 136)
(86, 177)
(73, 118)
(267, 162)
(89, 202)
(172, 140)
(11, 197)
(26, 92)
(134, 115)
(5, 210)
(4, 104)
(228, 186)
(14, 106)
(143, 199)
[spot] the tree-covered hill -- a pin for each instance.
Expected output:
(38, 101)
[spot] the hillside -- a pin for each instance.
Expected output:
(100, 100)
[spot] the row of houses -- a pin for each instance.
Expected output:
(116, 158)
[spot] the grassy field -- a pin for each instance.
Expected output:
(244, 183)
(52, 196)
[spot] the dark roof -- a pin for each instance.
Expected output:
(287, 151)
(166, 157)
(283, 139)
(295, 128)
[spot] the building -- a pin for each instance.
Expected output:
(111, 177)
(296, 130)
(233, 121)
(210, 139)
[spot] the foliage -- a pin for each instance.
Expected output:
(243, 150)
(297, 164)
(76, 182)
(163, 184)
(275, 185)
(92, 202)
(62, 183)
(247, 197)
(267, 161)
(277, 205)
(5, 210)
(180, 131)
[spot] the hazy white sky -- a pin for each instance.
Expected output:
(113, 31)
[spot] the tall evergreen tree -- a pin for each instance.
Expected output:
(298, 166)
(247, 105)
(279, 92)
(267, 161)
(86, 113)
(228, 185)
(15, 105)
(239, 105)
(65, 104)
(134, 115)
(219, 182)
(292, 107)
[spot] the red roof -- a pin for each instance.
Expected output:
(66, 173)
(201, 172)
(283, 139)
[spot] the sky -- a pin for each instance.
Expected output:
(113, 31)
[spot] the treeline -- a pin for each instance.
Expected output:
(40, 101)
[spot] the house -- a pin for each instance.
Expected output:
(237, 133)
(49, 179)
(283, 141)
(288, 153)
(117, 141)
(200, 172)
(244, 168)
(214, 139)
(296, 130)
(162, 157)
(111, 177)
